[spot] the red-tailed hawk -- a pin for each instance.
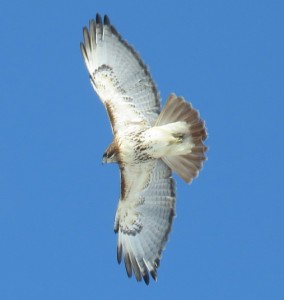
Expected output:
(147, 145)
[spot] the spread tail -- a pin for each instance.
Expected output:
(186, 165)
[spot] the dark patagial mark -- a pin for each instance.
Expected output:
(110, 114)
(122, 184)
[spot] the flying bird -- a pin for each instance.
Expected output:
(148, 144)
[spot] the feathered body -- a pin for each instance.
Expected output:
(148, 143)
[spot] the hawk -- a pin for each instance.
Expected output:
(148, 144)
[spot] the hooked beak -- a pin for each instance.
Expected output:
(104, 160)
(108, 160)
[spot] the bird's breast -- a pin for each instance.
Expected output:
(133, 147)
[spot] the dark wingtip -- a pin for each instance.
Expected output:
(119, 253)
(157, 262)
(106, 20)
(128, 266)
(154, 274)
(146, 278)
(82, 48)
(98, 19)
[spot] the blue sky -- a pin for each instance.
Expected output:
(57, 202)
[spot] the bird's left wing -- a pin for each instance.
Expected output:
(144, 217)
(118, 75)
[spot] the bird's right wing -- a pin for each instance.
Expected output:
(144, 216)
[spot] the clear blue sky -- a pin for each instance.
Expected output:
(57, 202)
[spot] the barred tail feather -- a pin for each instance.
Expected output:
(187, 165)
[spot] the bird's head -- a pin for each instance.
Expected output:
(110, 155)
